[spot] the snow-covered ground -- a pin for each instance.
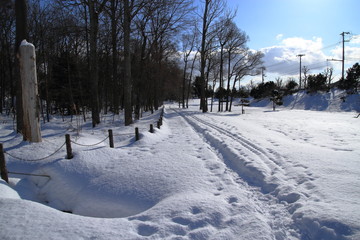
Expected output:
(285, 174)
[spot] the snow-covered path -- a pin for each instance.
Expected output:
(306, 167)
(262, 175)
(231, 150)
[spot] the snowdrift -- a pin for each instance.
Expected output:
(335, 100)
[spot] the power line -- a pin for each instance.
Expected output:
(271, 66)
(293, 69)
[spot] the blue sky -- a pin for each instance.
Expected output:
(264, 20)
(283, 29)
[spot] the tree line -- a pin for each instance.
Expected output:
(311, 83)
(130, 55)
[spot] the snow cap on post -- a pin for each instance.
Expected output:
(26, 43)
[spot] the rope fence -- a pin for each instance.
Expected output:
(35, 160)
(89, 145)
(69, 155)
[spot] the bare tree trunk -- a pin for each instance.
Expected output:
(189, 83)
(141, 80)
(94, 70)
(229, 91)
(212, 96)
(203, 104)
(115, 79)
(221, 77)
(127, 60)
(232, 95)
(184, 84)
(21, 34)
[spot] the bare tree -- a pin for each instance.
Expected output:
(247, 64)
(237, 41)
(162, 21)
(212, 10)
(190, 78)
(213, 67)
(95, 8)
(279, 82)
(188, 45)
(223, 36)
(329, 75)
(7, 25)
(305, 70)
(127, 63)
(114, 10)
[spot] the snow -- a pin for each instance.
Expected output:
(334, 100)
(26, 43)
(285, 174)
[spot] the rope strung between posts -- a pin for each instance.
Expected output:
(35, 160)
(122, 134)
(90, 145)
(30, 174)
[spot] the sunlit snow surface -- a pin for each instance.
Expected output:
(288, 174)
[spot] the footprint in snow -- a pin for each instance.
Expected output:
(232, 200)
(195, 210)
(146, 230)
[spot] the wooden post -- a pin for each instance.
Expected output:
(69, 154)
(3, 170)
(30, 98)
(137, 137)
(151, 128)
(158, 124)
(273, 104)
(111, 138)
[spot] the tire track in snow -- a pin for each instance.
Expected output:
(255, 165)
(259, 166)
(270, 158)
(290, 192)
(243, 173)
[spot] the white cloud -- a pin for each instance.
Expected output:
(352, 54)
(279, 36)
(282, 59)
(355, 39)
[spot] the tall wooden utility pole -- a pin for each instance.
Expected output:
(300, 55)
(263, 74)
(343, 52)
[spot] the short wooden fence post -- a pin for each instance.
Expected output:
(3, 170)
(151, 128)
(69, 154)
(137, 134)
(158, 124)
(111, 138)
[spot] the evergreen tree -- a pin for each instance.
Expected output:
(352, 79)
(317, 82)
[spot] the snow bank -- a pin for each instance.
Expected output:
(7, 191)
(334, 100)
